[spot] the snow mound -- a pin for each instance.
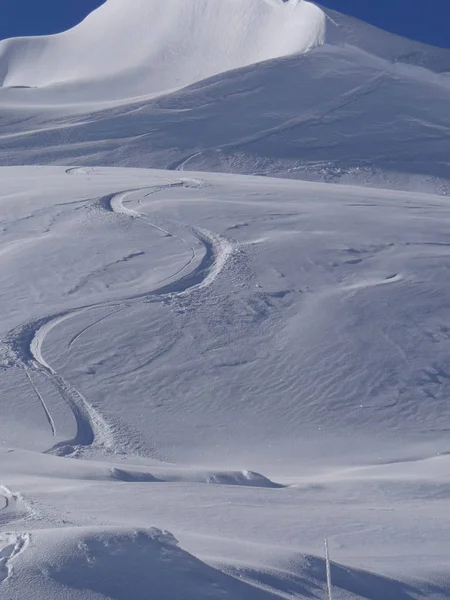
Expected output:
(244, 478)
(148, 46)
(114, 563)
(235, 478)
(148, 472)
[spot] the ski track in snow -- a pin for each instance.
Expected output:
(27, 342)
(181, 163)
(80, 170)
(42, 401)
(91, 326)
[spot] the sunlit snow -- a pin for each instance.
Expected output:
(204, 374)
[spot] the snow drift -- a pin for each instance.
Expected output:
(146, 563)
(112, 563)
(149, 46)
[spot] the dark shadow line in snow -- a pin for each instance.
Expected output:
(84, 281)
(42, 401)
(216, 250)
(197, 276)
(76, 337)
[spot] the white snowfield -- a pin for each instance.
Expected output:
(243, 86)
(203, 375)
(149, 46)
(250, 364)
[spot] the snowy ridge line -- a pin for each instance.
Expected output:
(26, 342)
(124, 45)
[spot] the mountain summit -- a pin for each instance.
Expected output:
(149, 46)
(245, 86)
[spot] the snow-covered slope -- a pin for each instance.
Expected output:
(150, 46)
(209, 304)
(250, 364)
(203, 375)
(364, 106)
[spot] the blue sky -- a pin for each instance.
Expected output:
(425, 20)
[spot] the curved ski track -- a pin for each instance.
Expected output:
(42, 401)
(27, 341)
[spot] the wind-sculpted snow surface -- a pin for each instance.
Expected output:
(141, 563)
(120, 564)
(249, 364)
(149, 46)
(27, 341)
(245, 86)
(202, 376)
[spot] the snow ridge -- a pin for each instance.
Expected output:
(149, 46)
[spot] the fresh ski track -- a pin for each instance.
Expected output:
(27, 342)
(91, 326)
(42, 401)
